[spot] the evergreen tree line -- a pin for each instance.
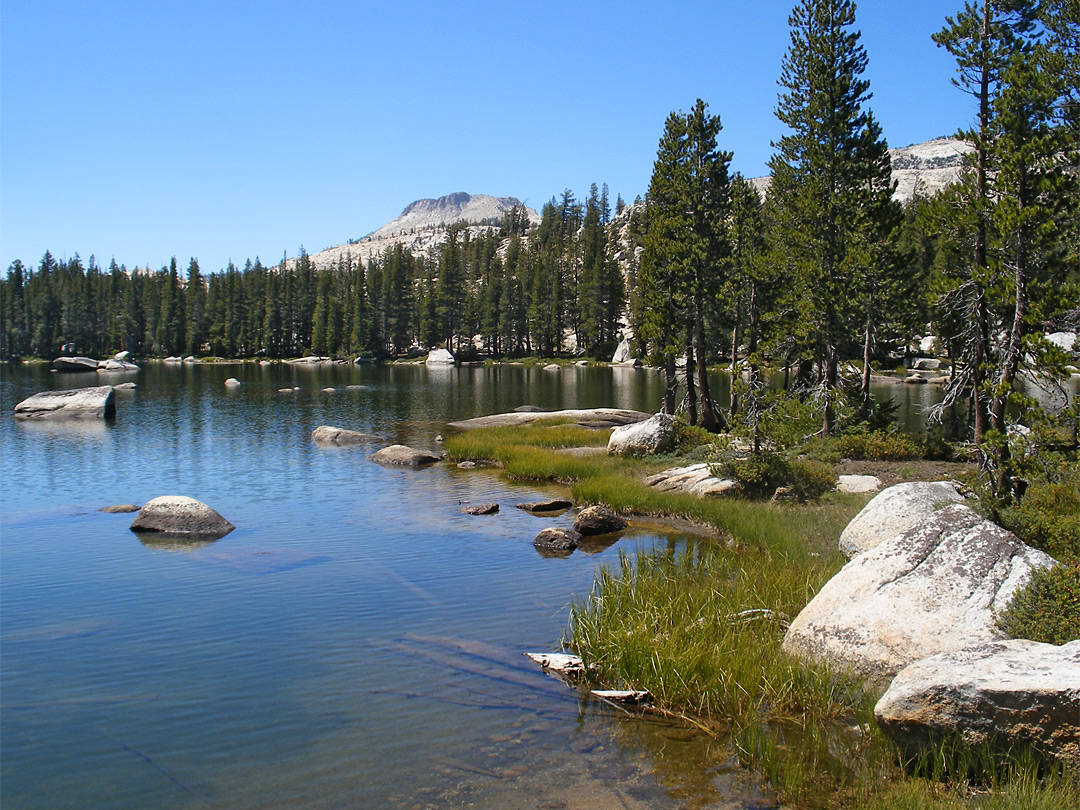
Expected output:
(500, 291)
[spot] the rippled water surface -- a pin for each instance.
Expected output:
(355, 642)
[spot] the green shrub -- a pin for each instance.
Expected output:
(689, 437)
(879, 445)
(1047, 609)
(1048, 517)
(811, 479)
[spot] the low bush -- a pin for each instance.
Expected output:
(759, 475)
(1048, 517)
(1047, 609)
(879, 445)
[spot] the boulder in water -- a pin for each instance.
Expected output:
(179, 514)
(98, 402)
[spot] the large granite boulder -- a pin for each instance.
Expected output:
(931, 589)
(1065, 341)
(178, 514)
(894, 510)
(439, 357)
(327, 434)
(623, 354)
(75, 364)
(1002, 693)
(598, 520)
(654, 435)
(98, 402)
(401, 455)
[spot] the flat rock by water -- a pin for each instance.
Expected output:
(120, 509)
(557, 542)
(401, 455)
(179, 514)
(480, 509)
(75, 364)
(932, 589)
(98, 402)
(894, 510)
(1000, 693)
(613, 415)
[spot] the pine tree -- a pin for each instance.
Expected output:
(686, 249)
(830, 184)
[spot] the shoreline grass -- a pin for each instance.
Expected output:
(701, 630)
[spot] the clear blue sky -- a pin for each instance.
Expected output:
(235, 129)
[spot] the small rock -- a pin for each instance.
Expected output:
(857, 483)
(552, 367)
(125, 386)
(327, 434)
(119, 509)
(466, 465)
(286, 390)
(124, 355)
(439, 439)
(401, 455)
(178, 514)
(558, 541)
(480, 509)
(75, 364)
(528, 409)
(598, 520)
(927, 364)
(329, 390)
(552, 505)
(232, 382)
(785, 494)
(915, 379)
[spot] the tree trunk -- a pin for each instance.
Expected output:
(710, 418)
(691, 394)
(671, 385)
(864, 408)
(734, 368)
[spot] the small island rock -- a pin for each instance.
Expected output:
(120, 509)
(98, 402)
(232, 382)
(550, 505)
(557, 541)
(178, 514)
(480, 509)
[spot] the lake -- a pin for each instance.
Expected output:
(356, 642)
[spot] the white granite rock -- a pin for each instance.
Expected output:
(895, 509)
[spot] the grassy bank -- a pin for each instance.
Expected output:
(701, 628)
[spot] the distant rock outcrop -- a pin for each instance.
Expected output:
(922, 168)
(423, 224)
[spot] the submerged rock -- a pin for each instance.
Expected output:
(178, 514)
(327, 434)
(401, 455)
(120, 509)
(894, 510)
(653, 435)
(550, 505)
(98, 402)
(598, 520)
(934, 588)
(1002, 693)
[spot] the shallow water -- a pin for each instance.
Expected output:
(357, 641)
